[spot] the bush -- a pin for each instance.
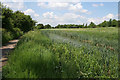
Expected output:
(17, 32)
(6, 36)
(9, 35)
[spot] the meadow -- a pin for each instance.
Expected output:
(65, 53)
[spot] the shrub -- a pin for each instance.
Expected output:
(9, 35)
(6, 36)
(17, 32)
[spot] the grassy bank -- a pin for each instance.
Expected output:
(64, 54)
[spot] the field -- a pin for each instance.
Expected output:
(65, 53)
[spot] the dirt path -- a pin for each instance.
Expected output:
(5, 51)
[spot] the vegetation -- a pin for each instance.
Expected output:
(88, 52)
(110, 23)
(14, 24)
(41, 26)
(65, 53)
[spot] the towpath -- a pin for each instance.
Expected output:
(4, 50)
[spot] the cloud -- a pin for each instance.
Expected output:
(66, 18)
(31, 12)
(36, 15)
(76, 7)
(101, 4)
(53, 5)
(109, 16)
(71, 18)
(49, 15)
(15, 5)
(97, 5)
(99, 20)
(95, 20)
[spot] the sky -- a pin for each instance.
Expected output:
(55, 13)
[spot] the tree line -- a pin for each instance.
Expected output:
(14, 24)
(110, 23)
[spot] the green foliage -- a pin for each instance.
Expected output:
(47, 26)
(104, 24)
(7, 21)
(110, 23)
(69, 26)
(14, 24)
(17, 32)
(92, 25)
(9, 35)
(64, 54)
(24, 22)
(6, 36)
(40, 26)
(114, 23)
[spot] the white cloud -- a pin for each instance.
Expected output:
(15, 5)
(61, 0)
(28, 11)
(95, 20)
(53, 5)
(31, 12)
(101, 4)
(42, 4)
(76, 7)
(97, 5)
(71, 18)
(99, 20)
(109, 16)
(66, 18)
(57, 5)
(49, 15)
(36, 15)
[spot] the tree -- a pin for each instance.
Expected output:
(86, 25)
(92, 25)
(58, 26)
(40, 26)
(7, 21)
(83, 24)
(47, 26)
(110, 23)
(24, 22)
(14, 23)
(114, 23)
(104, 24)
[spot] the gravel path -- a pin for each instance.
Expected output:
(4, 50)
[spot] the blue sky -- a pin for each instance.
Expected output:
(54, 13)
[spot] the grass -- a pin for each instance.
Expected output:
(86, 53)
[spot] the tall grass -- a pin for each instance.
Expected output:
(39, 55)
